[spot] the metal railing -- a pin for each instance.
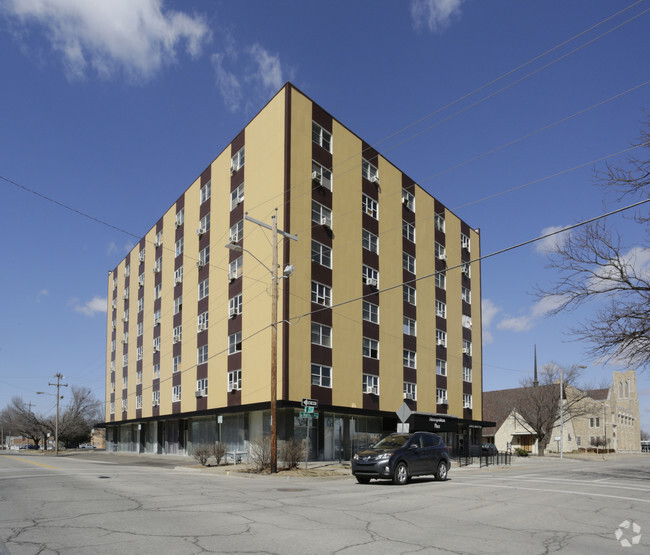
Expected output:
(484, 459)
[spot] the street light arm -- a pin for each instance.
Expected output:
(238, 248)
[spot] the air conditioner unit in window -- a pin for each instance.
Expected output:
(125, 341)
(371, 281)
(235, 203)
(327, 222)
(156, 348)
(178, 279)
(375, 179)
(125, 319)
(233, 169)
(114, 303)
(200, 231)
(200, 263)
(410, 396)
(156, 322)
(176, 339)
(443, 402)
(465, 269)
(233, 311)
(202, 326)
(157, 243)
(140, 282)
(155, 403)
(199, 393)
(232, 276)
(466, 350)
(467, 406)
(141, 256)
(443, 257)
(316, 176)
(369, 211)
(156, 269)
(440, 342)
(405, 200)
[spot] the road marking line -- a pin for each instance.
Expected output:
(557, 491)
(33, 462)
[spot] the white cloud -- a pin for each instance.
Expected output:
(247, 77)
(136, 36)
(92, 307)
(518, 324)
(113, 248)
(434, 15)
(549, 244)
(489, 312)
(42, 293)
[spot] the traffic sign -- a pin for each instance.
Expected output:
(309, 415)
(310, 403)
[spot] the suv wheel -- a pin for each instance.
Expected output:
(401, 474)
(441, 473)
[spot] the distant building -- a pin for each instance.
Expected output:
(609, 419)
(383, 307)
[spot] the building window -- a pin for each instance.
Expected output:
(125, 382)
(112, 387)
(408, 200)
(234, 268)
(237, 161)
(321, 136)
(408, 231)
(234, 343)
(467, 322)
(441, 367)
(237, 232)
(321, 175)
(125, 360)
(141, 280)
(139, 353)
(321, 254)
(440, 222)
(371, 384)
(466, 294)
(409, 358)
(156, 317)
(370, 348)
(441, 396)
(176, 393)
(441, 280)
(321, 214)
(204, 225)
(157, 291)
(204, 288)
(370, 276)
(370, 241)
(467, 374)
(157, 267)
(578, 441)
(112, 407)
(204, 257)
(179, 246)
(176, 364)
(321, 335)
(441, 338)
(441, 309)
(408, 262)
(409, 326)
(410, 391)
(370, 206)
(178, 304)
(439, 251)
(155, 398)
(180, 217)
(235, 306)
(466, 270)
(156, 371)
(370, 172)
(127, 270)
(467, 401)
(178, 276)
(156, 344)
(159, 239)
(138, 377)
(141, 304)
(202, 354)
(141, 255)
(464, 241)
(202, 387)
(125, 405)
(237, 197)
(321, 375)
(205, 192)
(409, 294)
(138, 401)
(370, 312)
(234, 380)
(139, 329)
(202, 323)
(321, 294)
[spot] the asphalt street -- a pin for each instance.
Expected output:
(110, 503)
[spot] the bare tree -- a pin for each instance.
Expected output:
(537, 405)
(17, 418)
(594, 264)
(78, 418)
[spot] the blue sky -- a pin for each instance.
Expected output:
(113, 108)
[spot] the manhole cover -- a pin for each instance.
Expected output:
(291, 490)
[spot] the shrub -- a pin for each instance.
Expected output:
(292, 452)
(260, 453)
(218, 451)
(521, 452)
(202, 453)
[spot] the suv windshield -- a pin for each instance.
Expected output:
(392, 442)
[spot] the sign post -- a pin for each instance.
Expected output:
(308, 405)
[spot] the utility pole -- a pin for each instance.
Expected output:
(58, 385)
(561, 416)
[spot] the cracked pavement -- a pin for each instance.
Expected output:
(112, 504)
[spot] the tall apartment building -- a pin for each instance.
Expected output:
(383, 306)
